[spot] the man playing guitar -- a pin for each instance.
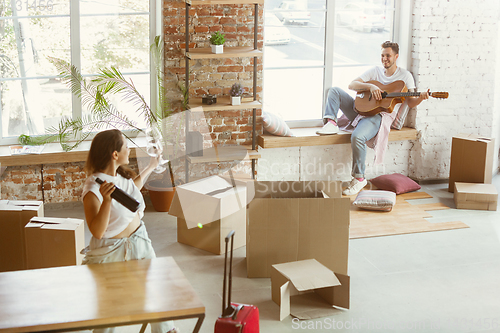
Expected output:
(367, 128)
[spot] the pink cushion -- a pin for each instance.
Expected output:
(396, 183)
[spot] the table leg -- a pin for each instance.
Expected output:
(198, 323)
(143, 328)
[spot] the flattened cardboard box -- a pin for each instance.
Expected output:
(471, 160)
(54, 242)
(216, 204)
(291, 221)
(14, 215)
(475, 196)
(307, 289)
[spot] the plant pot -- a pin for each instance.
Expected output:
(161, 196)
(217, 49)
(235, 100)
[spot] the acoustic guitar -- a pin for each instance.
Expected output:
(393, 93)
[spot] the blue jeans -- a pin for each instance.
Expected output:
(365, 130)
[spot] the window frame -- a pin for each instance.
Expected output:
(155, 18)
(401, 33)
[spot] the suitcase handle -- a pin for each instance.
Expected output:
(232, 311)
(237, 310)
(227, 309)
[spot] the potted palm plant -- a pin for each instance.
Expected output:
(235, 92)
(95, 96)
(217, 40)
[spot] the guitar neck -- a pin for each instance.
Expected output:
(403, 94)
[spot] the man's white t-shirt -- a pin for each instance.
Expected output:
(378, 74)
(119, 217)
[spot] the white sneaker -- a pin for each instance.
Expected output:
(328, 129)
(354, 186)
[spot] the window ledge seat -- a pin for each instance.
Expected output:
(53, 153)
(308, 137)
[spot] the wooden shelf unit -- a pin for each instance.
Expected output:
(229, 52)
(223, 2)
(223, 104)
(224, 153)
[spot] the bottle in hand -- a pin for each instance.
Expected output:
(122, 197)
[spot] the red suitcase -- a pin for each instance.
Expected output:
(236, 317)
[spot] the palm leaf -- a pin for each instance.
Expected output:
(111, 81)
(94, 96)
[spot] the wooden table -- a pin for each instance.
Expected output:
(95, 296)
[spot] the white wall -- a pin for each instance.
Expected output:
(455, 48)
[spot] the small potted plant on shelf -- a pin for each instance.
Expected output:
(217, 42)
(236, 92)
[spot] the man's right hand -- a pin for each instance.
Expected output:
(375, 92)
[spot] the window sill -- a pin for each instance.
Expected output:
(52, 154)
(308, 137)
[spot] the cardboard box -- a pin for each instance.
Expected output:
(314, 288)
(471, 160)
(217, 205)
(475, 196)
(14, 215)
(54, 242)
(291, 221)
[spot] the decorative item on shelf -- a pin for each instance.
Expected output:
(208, 99)
(194, 143)
(217, 42)
(236, 92)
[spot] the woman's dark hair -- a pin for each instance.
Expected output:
(103, 146)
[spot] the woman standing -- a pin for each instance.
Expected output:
(117, 233)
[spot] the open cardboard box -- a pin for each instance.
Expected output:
(471, 159)
(475, 196)
(297, 220)
(14, 215)
(316, 287)
(54, 242)
(207, 210)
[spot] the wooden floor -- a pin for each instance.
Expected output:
(405, 218)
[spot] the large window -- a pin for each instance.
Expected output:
(90, 34)
(312, 45)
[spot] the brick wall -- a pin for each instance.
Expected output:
(213, 76)
(454, 49)
(328, 162)
(61, 182)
